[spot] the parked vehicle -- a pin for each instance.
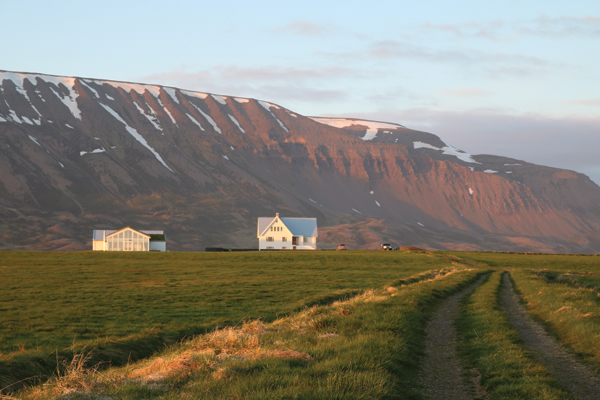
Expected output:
(341, 247)
(386, 246)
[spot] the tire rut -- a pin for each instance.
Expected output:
(442, 376)
(572, 375)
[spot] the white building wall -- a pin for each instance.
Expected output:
(98, 245)
(279, 244)
(158, 245)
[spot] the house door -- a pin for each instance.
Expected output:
(128, 245)
(295, 240)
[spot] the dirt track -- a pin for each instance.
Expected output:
(575, 377)
(441, 376)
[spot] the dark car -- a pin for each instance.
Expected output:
(341, 247)
(386, 246)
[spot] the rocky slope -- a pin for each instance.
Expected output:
(80, 154)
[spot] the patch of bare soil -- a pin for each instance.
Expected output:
(442, 376)
(574, 376)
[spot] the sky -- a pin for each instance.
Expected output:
(512, 78)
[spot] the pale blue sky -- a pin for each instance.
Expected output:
(511, 78)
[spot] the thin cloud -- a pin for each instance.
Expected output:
(562, 26)
(588, 25)
(466, 92)
(251, 74)
(396, 50)
(270, 73)
(272, 83)
(515, 71)
(586, 102)
(487, 30)
(306, 28)
(304, 94)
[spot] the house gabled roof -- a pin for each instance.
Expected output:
(100, 234)
(297, 226)
(128, 227)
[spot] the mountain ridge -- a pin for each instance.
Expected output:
(204, 166)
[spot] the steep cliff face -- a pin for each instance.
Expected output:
(80, 154)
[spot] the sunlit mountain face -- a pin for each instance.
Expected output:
(79, 154)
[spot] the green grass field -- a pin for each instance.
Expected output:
(122, 307)
(129, 305)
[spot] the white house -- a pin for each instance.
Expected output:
(129, 239)
(276, 233)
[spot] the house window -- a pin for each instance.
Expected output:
(283, 248)
(270, 239)
(269, 247)
(305, 239)
(284, 239)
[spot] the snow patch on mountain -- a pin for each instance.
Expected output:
(129, 87)
(241, 100)
(208, 118)
(348, 122)
(14, 116)
(23, 92)
(267, 106)
(136, 135)
(34, 140)
(81, 153)
(199, 95)
(151, 117)
(220, 99)
(370, 135)
(195, 121)
(171, 92)
(69, 100)
(37, 91)
(167, 111)
(83, 82)
(449, 150)
(235, 121)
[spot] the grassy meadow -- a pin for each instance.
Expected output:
(128, 305)
(309, 325)
(365, 347)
